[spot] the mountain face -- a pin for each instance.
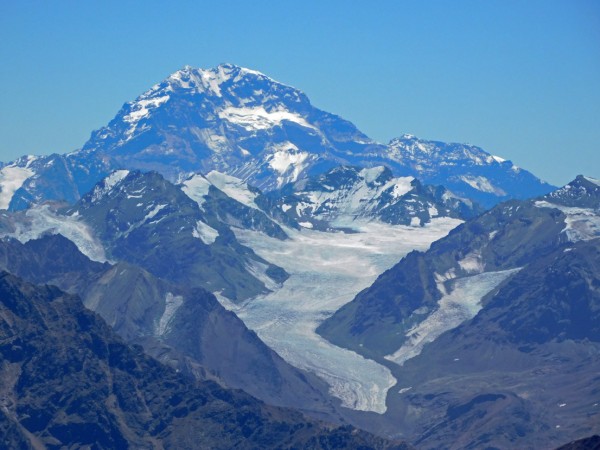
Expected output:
(492, 333)
(143, 219)
(244, 124)
(185, 328)
(466, 170)
(345, 195)
(108, 395)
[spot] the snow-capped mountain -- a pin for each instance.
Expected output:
(345, 196)
(243, 123)
(234, 120)
(466, 170)
(143, 219)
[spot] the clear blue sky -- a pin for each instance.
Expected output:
(519, 78)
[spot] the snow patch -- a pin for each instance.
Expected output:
(288, 162)
(41, 220)
(106, 185)
(205, 233)
(482, 184)
(196, 188)
(472, 263)
(258, 118)
(371, 174)
(172, 304)
(233, 187)
(581, 224)
(11, 179)
(460, 305)
(402, 186)
(141, 108)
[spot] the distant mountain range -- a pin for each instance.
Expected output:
(243, 123)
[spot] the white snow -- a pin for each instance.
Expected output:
(196, 188)
(172, 304)
(286, 208)
(461, 304)
(482, 184)
(288, 162)
(582, 224)
(153, 212)
(205, 233)
(326, 271)
(258, 118)
(371, 174)
(142, 107)
(11, 179)
(402, 185)
(233, 187)
(108, 184)
(42, 220)
(498, 159)
(305, 224)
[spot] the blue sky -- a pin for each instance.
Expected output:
(519, 78)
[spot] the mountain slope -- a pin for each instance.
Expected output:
(523, 373)
(143, 219)
(187, 329)
(466, 170)
(108, 395)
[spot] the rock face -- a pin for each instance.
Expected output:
(143, 219)
(243, 123)
(69, 381)
(493, 332)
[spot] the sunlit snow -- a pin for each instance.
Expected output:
(258, 118)
(42, 220)
(582, 224)
(205, 233)
(482, 184)
(11, 179)
(233, 187)
(196, 188)
(461, 304)
(326, 271)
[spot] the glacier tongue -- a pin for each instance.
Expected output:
(326, 271)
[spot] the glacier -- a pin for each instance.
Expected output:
(326, 271)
